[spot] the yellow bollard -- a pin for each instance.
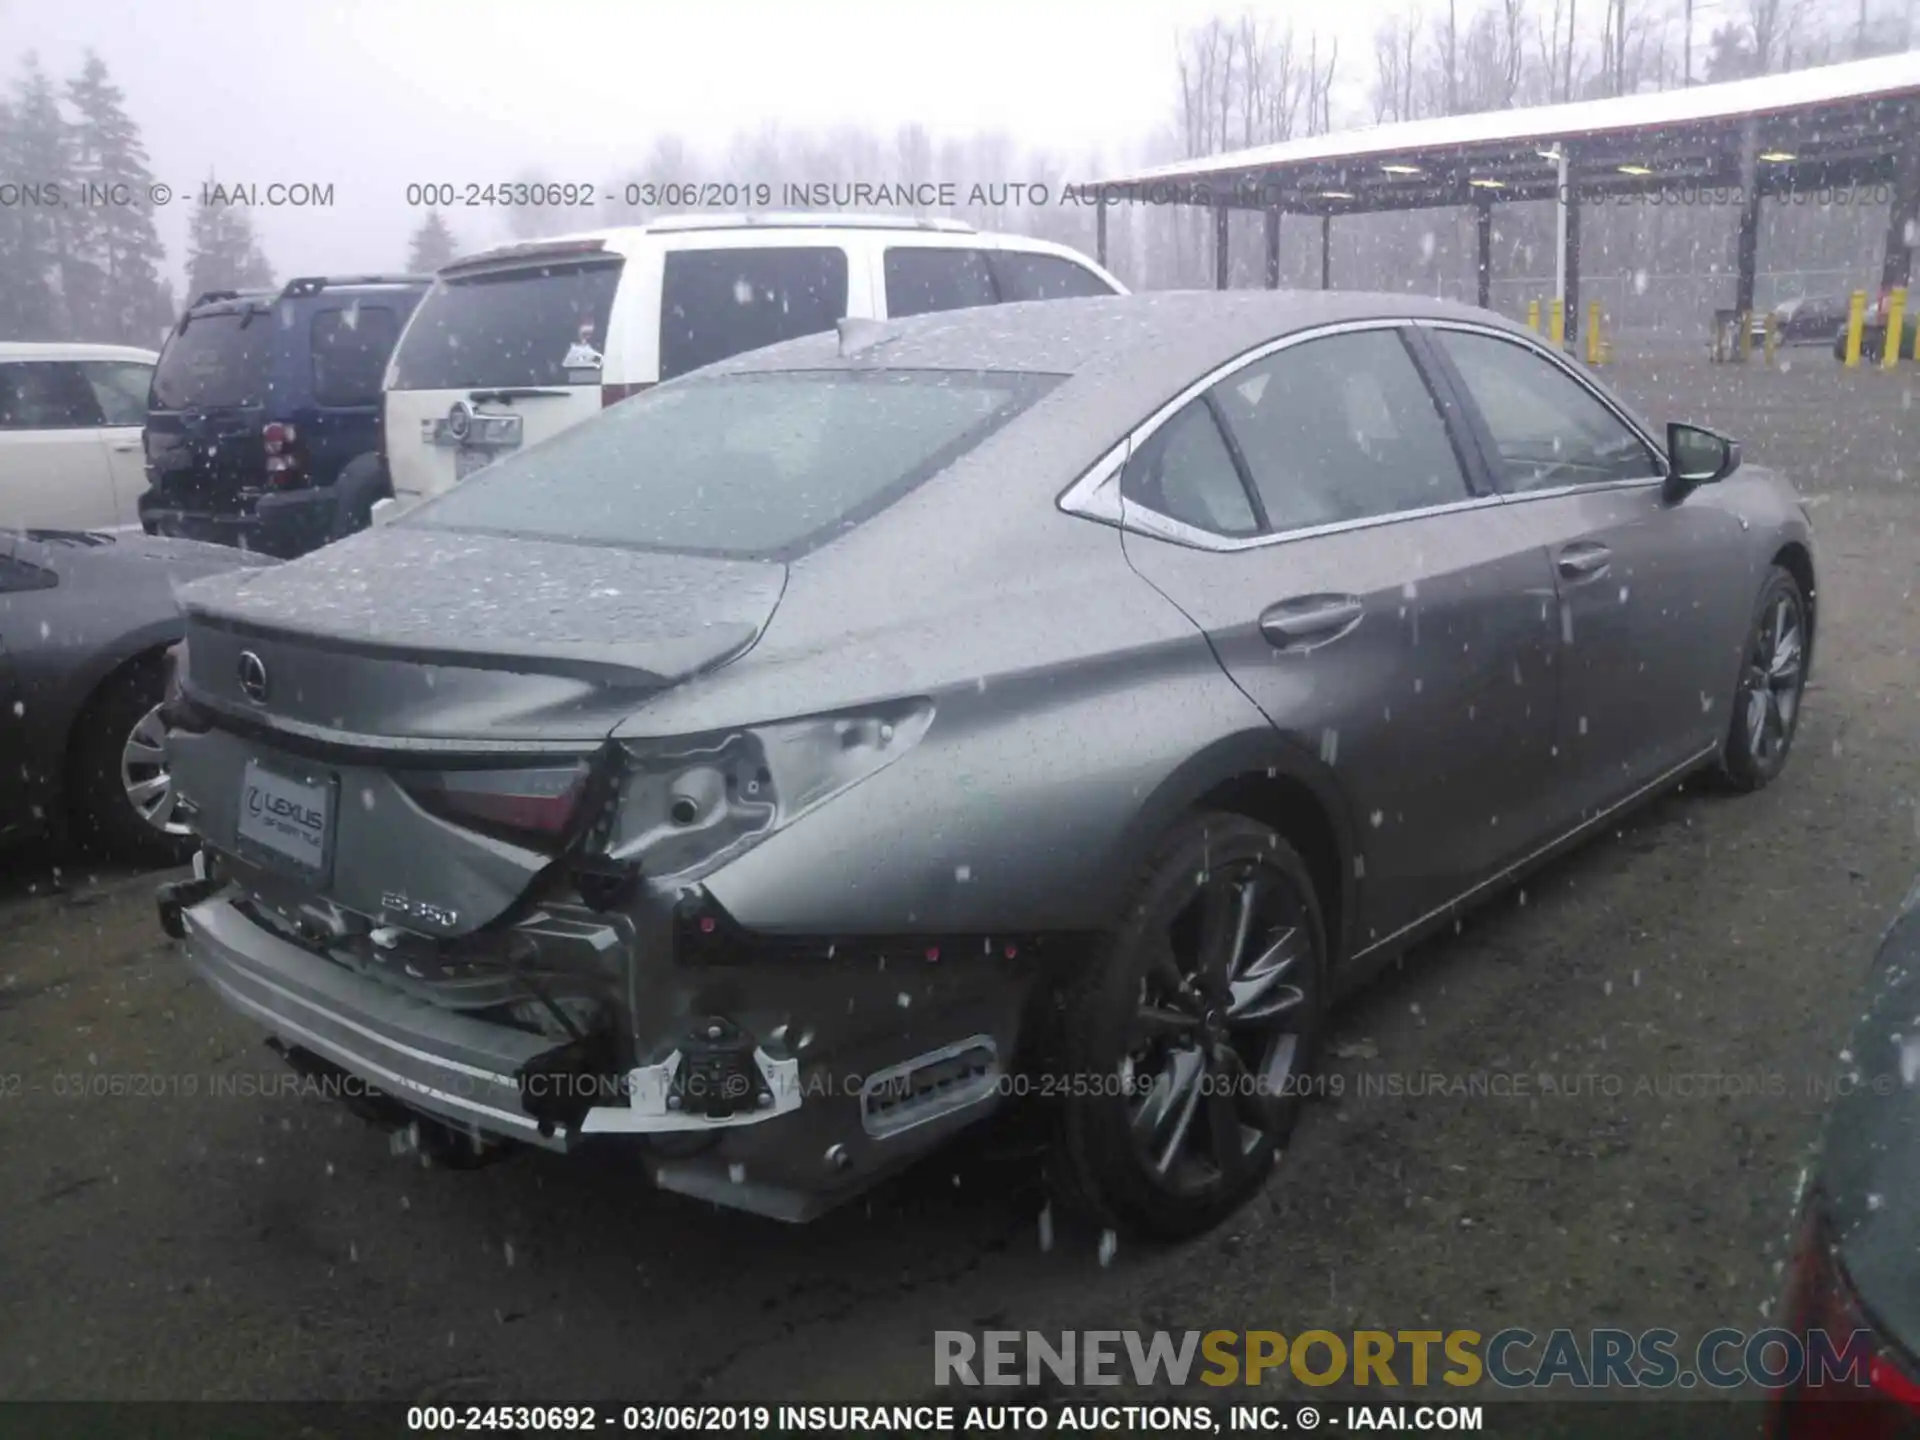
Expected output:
(1856, 322)
(1896, 327)
(1557, 324)
(1772, 342)
(1533, 316)
(1743, 345)
(1593, 332)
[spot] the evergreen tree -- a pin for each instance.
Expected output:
(222, 253)
(117, 255)
(432, 245)
(34, 155)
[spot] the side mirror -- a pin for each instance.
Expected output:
(1696, 457)
(385, 510)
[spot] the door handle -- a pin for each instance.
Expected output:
(1586, 561)
(125, 447)
(1310, 620)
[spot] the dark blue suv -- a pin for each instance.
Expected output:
(263, 424)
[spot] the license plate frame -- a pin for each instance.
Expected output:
(260, 781)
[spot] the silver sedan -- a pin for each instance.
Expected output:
(784, 769)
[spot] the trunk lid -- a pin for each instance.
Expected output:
(385, 712)
(434, 640)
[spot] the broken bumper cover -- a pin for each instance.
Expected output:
(725, 1113)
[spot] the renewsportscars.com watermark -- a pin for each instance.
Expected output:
(1511, 1359)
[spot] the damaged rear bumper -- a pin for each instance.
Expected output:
(780, 1084)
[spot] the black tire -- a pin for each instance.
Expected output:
(1128, 1020)
(362, 481)
(102, 817)
(1773, 679)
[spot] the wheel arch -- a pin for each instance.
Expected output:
(1271, 779)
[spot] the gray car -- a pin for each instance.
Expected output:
(784, 769)
(85, 621)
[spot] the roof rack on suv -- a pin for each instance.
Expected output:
(795, 219)
(314, 284)
(213, 297)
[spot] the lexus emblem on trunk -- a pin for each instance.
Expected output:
(253, 676)
(460, 421)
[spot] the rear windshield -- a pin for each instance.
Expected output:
(739, 465)
(218, 360)
(506, 328)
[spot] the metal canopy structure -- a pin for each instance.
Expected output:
(1850, 125)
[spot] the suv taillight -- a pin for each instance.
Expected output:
(283, 465)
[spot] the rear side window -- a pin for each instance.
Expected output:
(1023, 275)
(120, 388)
(719, 303)
(1341, 428)
(922, 279)
(743, 465)
(350, 347)
(218, 360)
(45, 395)
(1186, 472)
(505, 328)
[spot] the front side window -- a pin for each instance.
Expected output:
(923, 279)
(45, 395)
(1548, 429)
(1340, 428)
(1185, 472)
(350, 347)
(739, 465)
(120, 389)
(719, 303)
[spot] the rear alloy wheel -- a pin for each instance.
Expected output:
(145, 778)
(1773, 678)
(1189, 1041)
(123, 798)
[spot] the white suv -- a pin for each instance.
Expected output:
(70, 421)
(516, 344)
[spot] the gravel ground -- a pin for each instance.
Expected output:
(250, 1244)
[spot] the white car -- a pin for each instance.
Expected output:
(516, 344)
(70, 422)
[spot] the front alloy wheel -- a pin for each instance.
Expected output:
(1189, 1044)
(1773, 680)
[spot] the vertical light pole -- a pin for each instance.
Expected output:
(1561, 197)
(1687, 73)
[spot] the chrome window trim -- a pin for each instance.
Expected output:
(1096, 494)
(1566, 367)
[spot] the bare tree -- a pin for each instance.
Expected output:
(1394, 43)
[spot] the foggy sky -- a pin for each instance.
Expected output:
(373, 96)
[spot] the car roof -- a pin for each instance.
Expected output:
(65, 350)
(302, 287)
(1128, 347)
(768, 228)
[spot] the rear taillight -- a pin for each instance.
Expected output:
(283, 464)
(614, 394)
(538, 803)
(1873, 1396)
